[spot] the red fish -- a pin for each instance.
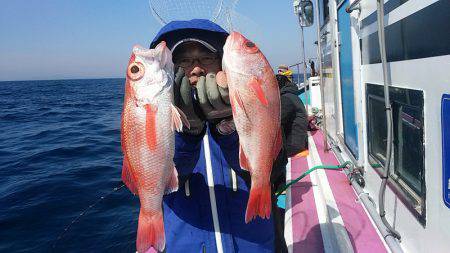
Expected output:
(148, 122)
(255, 101)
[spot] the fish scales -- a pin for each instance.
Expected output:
(147, 136)
(255, 101)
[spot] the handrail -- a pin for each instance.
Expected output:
(353, 7)
(299, 63)
(296, 64)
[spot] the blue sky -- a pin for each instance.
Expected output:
(65, 39)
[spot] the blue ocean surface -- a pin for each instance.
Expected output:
(298, 78)
(59, 153)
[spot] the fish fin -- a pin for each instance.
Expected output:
(128, 177)
(163, 52)
(232, 103)
(243, 161)
(150, 231)
(237, 97)
(277, 145)
(256, 86)
(178, 119)
(172, 185)
(150, 126)
(259, 203)
(184, 118)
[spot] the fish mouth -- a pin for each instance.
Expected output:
(139, 50)
(234, 40)
(230, 47)
(234, 35)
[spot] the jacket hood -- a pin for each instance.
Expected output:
(197, 29)
(290, 88)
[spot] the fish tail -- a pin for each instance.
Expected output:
(150, 232)
(259, 203)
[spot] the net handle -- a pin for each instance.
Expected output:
(155, 14)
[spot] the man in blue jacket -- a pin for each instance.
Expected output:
(207, 213)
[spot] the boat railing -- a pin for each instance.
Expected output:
(297, 66)
(353, 6)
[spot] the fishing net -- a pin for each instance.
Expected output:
(169, 10)
(221, 12)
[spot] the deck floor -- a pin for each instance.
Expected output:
(323, 213)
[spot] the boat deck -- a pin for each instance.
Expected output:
(323, 213)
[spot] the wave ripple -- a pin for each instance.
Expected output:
(59, 152)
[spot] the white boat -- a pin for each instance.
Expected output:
(323, 213)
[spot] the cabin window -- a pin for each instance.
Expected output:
(407, 164)
(377, 128)
(324, 12)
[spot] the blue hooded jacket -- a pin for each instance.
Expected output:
(207, 213)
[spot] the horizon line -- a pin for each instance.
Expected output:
(92, 78)
(63, 79)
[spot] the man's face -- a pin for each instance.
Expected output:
(282, 70)
(196, 60)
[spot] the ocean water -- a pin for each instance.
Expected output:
(298, 78)
(59, 153)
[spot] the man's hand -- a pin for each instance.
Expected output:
(207, 100)
(213, 99)
(183, 99)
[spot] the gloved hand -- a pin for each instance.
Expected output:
(183, 99)
(214, 100)
(207, 101)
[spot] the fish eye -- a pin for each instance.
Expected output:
(250, 47)
(249, 44)
(135, 71)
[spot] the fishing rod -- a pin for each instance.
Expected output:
(84, 212)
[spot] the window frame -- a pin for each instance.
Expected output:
(323, 20)
(415, 203)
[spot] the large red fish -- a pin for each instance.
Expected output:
(148, 122)
(255, 101)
